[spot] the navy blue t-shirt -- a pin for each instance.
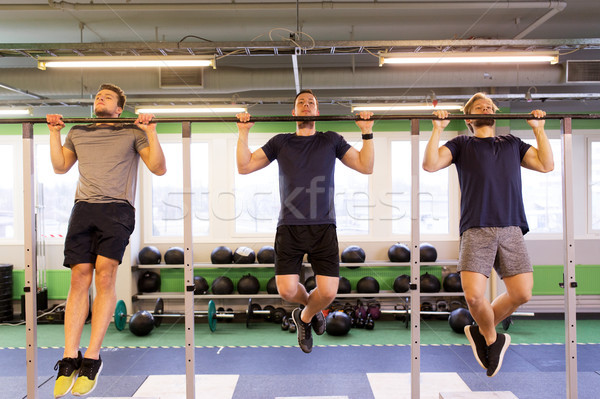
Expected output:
(489, 174)
(306, 171)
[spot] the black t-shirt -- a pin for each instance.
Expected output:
(306, 175)
(489, 174)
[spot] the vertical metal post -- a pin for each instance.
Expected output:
(30, 261)
(570, 284)
(188, 257)
(415, 266)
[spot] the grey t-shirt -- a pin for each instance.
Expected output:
(108, 157)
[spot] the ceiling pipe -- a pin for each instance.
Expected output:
(281, 5)
(24, 92)
(555, 8)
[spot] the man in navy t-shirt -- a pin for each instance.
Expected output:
(492, 217)
(306, 224)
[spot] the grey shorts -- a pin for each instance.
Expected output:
(502, 248)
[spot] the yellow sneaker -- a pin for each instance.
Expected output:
(68, 369)
(88, 376)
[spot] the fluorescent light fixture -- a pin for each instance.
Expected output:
(406, 107)
(15, 111)
(451, 57)
(124, 62)
(191, 109)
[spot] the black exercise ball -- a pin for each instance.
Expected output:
(272, 286)
(248, 284)
(310, 284)
(174, 256)
(427, 253)
(430, 283)
(338, 323)
(141, 323)
(353, 254)
(459, 319)
(244, 255)
(221, 255)
(367, 285)
(402, 283)
(200, 285)
(149, 256)
(344, 286)
(149, 281)
(266, 254)
(399, 253)
(452, 283)
(222, 285)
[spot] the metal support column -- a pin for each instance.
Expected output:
(570, 284)
(30, 287)
(415, 266)
(188, 257)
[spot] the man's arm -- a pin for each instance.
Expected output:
(436, 157)
(247, 161)
(62, 158)
(540, 158)
(362, 161)
(152, 155)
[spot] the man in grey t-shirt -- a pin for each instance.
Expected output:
(101, 222)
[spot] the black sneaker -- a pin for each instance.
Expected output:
(88, 376)
(318, 323)
(304, 332)
(495, 354)
(478, 345)
(68, 368)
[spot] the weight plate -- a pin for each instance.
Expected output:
(269, 316)
(120, 315)
(249, 313)
(159, 308)
(212, 319)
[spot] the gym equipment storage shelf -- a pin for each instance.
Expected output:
(305, 264)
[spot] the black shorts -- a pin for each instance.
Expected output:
(98, 229)
(318, 241)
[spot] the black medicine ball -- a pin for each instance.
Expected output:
(344, 286)
(430, 283)
(402, 283)
(221, 255)
(141, 323)
(174, 256)
(149, 281)
(149, 256)
(399, 253)
(272, 286)
(310, 284)
(428, 253)
(367, 285)
(222, 285)
(248, 284)
(200, 285)
(266, 254)
(244, 255)
(452, 283)
(353, 254)
(459, 319)
(338, 323)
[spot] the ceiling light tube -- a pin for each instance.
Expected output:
(124, 62)
(406, 107)
(192, 109)
(15, 111)
(451, 57)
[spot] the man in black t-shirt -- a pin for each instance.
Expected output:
(306, 224)
(492, 217)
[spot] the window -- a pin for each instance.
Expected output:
(55, 193)
(542, 194)
(7, 208)
(595, 185)
(351, 200)
(167, 192)
(434, 197)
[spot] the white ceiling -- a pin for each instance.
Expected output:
(251, 41)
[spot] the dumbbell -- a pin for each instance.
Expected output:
(269, 312)
(120, 316)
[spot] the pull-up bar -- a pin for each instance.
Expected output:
(289, 118)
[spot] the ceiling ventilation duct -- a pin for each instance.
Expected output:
(180, 78)
(583, 71)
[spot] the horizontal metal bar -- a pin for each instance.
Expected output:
(286, 118)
